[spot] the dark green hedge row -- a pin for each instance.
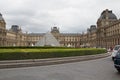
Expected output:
(41, 55)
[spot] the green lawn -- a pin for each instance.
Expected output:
(44, 50)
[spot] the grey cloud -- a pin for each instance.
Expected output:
(68, 15)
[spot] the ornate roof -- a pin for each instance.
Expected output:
(1, 18)
(107, 13)
(54, 30)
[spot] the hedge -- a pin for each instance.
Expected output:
(19, 54)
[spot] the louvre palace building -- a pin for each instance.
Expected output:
(105, 34)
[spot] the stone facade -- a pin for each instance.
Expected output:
(105, 34)
(65, 39)
(2, 31)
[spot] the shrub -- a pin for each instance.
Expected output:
(40, 53)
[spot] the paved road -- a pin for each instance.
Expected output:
(100, 69)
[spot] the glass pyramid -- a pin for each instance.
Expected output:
(48, 40)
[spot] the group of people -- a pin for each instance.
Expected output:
(110, 49)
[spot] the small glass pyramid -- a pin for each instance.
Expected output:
(48, 40)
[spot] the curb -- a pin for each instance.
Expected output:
(49, 61)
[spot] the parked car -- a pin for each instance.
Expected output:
(117, 61)
(115, 50)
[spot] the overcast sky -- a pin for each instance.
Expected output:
(71, 16)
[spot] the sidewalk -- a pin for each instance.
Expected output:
(49, 61)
